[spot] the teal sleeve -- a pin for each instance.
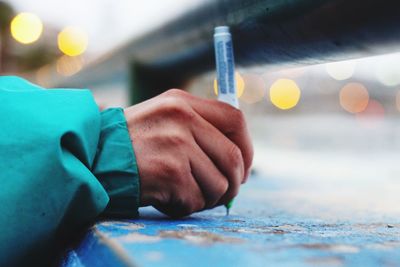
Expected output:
(62, 164)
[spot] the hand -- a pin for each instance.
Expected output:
(192, 153)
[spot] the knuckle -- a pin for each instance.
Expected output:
(175, 92)
(222, 187)
(173, 103)
(236, 116)
(173, 140)
(173, 171)
(181, 179)
(220, 190)
(235, 156)
(239, 119)
(177, 139)
(190, 201)
(177, 108)
(194, 205)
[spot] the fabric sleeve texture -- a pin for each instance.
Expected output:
(63, 163)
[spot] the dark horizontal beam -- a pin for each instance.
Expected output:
(298, 32)
(269, 32)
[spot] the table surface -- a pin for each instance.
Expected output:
(263, 229)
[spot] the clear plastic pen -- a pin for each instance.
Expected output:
(225, 65)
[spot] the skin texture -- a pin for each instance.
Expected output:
(192, 153)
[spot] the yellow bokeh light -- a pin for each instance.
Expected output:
(239, 85)
(26, 28)
(72, 41)
(284, 94)
(354, 97)
(68, 66)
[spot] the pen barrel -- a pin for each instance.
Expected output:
(225, 65)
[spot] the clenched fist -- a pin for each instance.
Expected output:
(192, 153)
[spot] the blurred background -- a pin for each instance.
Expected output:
(326, 132)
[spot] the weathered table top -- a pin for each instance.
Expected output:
(259, 232)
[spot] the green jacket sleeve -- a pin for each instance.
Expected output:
(62, 164)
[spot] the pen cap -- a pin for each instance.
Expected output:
(221, 30)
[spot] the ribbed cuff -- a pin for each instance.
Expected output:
(115, 165)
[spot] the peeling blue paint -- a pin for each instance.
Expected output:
(256, 234)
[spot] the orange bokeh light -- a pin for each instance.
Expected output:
(354, 97)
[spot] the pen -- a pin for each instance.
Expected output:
(225, 65)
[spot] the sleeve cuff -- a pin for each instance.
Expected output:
(115, 165)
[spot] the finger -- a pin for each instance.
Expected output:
(185, 199)
(229, 120)
(220, 149)
(212, 182)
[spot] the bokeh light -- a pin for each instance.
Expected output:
(72, 41)
(292, 73)
(387, 70)
(68, 66)
(372, 115)
(42, 75)
(354, 97)
(239, 85)
(284, 94)
(254, 88)
(26, 28)
(341, 70)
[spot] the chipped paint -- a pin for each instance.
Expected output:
(125, 225)
(339, 248)
(199, 237)
(186, 225)
(137, 238)
(325, 261)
